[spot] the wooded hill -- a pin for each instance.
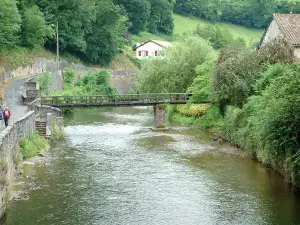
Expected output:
(97, 30)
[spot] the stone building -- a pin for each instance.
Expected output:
(284, 26)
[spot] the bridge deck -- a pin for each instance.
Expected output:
(114, 100)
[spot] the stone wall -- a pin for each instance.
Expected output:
(123, 83)
(122, 80)
(41, 111)
(9, 147)
(42, 65)
(31, 91)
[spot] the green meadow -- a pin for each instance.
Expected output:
(188, 24)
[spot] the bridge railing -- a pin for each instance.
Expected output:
(130, 99)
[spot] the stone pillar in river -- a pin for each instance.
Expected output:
(160, 115)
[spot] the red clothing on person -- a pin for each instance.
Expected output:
(5, 113)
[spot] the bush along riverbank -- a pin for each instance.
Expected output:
(254, 96)
(267, 125)
(263, 119)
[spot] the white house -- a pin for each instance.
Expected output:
(284, 26)
(150, 48)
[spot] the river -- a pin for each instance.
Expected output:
(112, 169)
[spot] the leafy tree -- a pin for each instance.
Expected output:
(268, 124)
(219, 37)
(160, 19)
(235, 75)
(97, 82)
(201, 87)
(138, 12)
(34, 28)
(249, 13)
(10, 23)
(105, 36)
(175, 71)
(74, 19)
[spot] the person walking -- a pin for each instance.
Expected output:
(6, 116)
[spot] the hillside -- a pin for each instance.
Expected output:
(184, 25)
(21, 56)
(188, 24)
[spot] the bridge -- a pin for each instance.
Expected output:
(156, 100)
(115, 100)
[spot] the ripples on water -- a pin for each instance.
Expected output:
(114, 170)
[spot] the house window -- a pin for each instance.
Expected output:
(143, 53)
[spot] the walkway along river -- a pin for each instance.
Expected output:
(112, 169)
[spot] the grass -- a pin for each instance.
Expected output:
(188, 24)
(124, 61)
(33, 145)
(11, 58)
(211, 119)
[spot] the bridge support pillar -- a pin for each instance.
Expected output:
(160, 115)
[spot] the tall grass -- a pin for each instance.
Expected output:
(33, 145)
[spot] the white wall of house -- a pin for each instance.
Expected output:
(297, 52)
(147, 50)
(272, 33)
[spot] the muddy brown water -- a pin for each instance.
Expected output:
(112, 169)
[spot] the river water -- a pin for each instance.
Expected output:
(112, 169)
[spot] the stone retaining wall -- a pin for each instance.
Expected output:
(42, 110)
(31, 91)
(9, 147)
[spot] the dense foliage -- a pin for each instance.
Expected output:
(249, 13)
(90, 83)
(237, 70)
(94, 30)
(269, 123)
(175, 71)
(257, 92)
(219, 37)
(45, 82)
(156, 15)
(10, 22)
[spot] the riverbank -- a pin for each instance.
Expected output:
(213, 122)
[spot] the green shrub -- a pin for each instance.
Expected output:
(210, 119)
(33, 145)
(69, 76)
(45, 81)
(268, 124)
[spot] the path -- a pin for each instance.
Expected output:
(14, 101)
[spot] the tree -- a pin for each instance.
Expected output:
(34, 28)
(10, 23)
(160, 19)
(106, 32)
(74, 20)
(237, 71)
(138, 12)
(201, 87)
(175, 71)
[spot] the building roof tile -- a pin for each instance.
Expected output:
(289, 24)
